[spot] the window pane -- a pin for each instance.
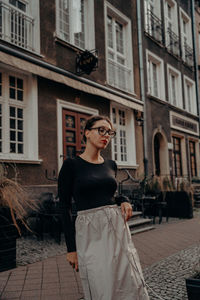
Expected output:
(192, 159)
(20, 95)
(12, 123)
(12, 81)
(12, 136)
(12, 148)
(21, 6)
(82, 123)
(119, 37)
(20, 148)
(110, 33)
(13, 2)
(16, 88)
(20, 113)
(70, 137)
(16, 132)
(20, 84)
(12, 93)
(70, 121)
(173, 91)
(64, 19)
(20, 136)
(177, 156)
(20, 125)
(78, 23)
(155, 80)
(71, 151)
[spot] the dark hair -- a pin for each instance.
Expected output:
(92, 120)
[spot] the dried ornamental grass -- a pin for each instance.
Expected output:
(13, 196)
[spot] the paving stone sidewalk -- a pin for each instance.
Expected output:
(168, 254)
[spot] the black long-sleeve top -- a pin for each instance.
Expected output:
(90, 185)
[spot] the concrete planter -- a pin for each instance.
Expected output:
(8, 236)
(193, 288)
(179, 204)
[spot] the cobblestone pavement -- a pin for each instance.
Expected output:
(167, 277)
(168, 255)
(30, 250)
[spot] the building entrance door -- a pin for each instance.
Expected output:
(73, 126)
(161, 155)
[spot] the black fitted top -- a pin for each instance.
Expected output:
(90, 185)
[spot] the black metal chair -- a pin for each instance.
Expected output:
(49, 217)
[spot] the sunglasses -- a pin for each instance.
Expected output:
(103, 131)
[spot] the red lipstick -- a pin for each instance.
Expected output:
(105, 141)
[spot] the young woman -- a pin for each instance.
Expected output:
(99, 243)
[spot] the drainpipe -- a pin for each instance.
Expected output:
(195, 56)
(195, 61)
(142, 88)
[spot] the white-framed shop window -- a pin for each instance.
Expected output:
(20, 24)
(155, 75)
(75, 22)
(190, 95)
(123, 144)
(174, 87)
(186, 38)
(119, 61)
(18, 116)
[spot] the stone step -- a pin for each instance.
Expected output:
(142, 229)
(139, 222)
(136, 214)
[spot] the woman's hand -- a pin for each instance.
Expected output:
(127, 210)
(72, 258)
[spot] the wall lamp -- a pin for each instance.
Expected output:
(139, 118)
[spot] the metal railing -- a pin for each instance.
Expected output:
(16, 27)
(120, 76)
(189, 58)
(154, 26)
(172, 42)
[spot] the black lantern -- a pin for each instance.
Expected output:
(86, 62)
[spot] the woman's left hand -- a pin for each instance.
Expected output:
(127, 210)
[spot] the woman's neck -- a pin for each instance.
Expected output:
(92, 155)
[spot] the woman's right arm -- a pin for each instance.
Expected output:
(65, 184)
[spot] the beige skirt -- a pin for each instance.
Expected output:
(108, 261)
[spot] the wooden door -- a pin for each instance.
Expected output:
(73, 126)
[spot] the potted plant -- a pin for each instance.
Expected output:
(14, 206)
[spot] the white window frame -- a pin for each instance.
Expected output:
(89, 26)
(30, 117)
(111, 11)
(130, 137)
(185, 36)
(33, 14)
(173, 21)
(148, 5)
(153, 6)
(160, 75)
(193, 103)
(178, 86)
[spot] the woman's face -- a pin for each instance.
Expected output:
(94, 138)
